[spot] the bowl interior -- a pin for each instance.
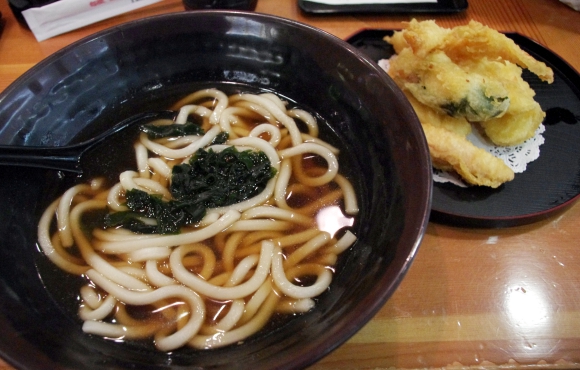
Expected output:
(145, 65)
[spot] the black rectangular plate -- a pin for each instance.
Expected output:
(549, 185)
(442, 6)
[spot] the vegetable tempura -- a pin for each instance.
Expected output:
(467, 74)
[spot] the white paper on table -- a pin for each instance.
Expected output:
(358, 2)
(67, 15)
(574, 4)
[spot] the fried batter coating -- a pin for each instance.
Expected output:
(524, 114)
(470, 71)
(466, 74)
(427, 115)
(476, 41)
(475, 165)
(470, 42)
(451, 151)
(435, 80)
(421, 37)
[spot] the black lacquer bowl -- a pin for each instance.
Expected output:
(87, 87)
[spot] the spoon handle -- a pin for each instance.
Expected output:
(68, 158)
(55, 158)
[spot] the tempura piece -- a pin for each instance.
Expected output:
(457, 125)
(470, 71)
(475, 165)
(476, 41)
(470, 42)
(524, 115)
(421, 37)
(451, 151)
(441, 84)
(464, 75)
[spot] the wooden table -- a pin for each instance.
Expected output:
(473, 297)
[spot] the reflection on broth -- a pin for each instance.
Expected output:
(331, 220)
(235, 212)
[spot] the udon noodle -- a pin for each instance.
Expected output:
(220, 280)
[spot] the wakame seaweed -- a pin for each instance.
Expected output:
(227, 177)
(174, 130)
(221, 138)
(170, 215)
(210, 179)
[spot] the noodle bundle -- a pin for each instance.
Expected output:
(220, 279)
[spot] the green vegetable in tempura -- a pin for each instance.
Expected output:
(439, 83)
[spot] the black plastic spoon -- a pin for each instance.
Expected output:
(74, 158)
